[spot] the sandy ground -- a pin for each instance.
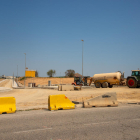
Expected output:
(1, 79)
(38, 98)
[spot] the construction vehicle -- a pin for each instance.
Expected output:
(3, 76)
(78, 81)
(85, 79)
(133, 81)
(105, 80)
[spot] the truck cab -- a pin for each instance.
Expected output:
(136, 73)
(77, 81)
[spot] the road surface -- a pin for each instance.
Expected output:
(108, 123)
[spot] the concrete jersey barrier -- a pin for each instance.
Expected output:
(105, 100)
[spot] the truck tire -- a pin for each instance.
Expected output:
(131, 83)
(110, 86)
(97, 85)
(104, 85)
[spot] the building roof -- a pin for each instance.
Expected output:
(29, 70)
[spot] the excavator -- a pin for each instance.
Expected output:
(85, 79)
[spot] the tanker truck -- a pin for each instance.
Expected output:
(105, 80)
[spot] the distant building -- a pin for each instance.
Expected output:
(30, 73)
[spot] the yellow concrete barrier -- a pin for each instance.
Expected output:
(59, 102)
(7, 105)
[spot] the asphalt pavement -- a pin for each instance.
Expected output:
(104, 123)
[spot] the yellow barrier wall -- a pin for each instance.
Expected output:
(7, 105)
(30, 73)
(56, 102)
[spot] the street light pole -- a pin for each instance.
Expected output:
(82, 55)
(25, 70)
(17, 74)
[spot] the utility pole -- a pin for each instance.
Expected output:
(13, 78)
(17, 74)
(25, 70)
(60, 78)
(82, 56)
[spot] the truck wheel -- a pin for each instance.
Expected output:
(131, 83)
(98, 85)
(104, 85)
(110, 86)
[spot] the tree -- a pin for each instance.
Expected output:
(36, 74)
(70, 73)
(51, 73)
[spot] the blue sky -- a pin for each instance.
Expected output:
(50, 33)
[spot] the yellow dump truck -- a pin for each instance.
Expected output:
(105, 80)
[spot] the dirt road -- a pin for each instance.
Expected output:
(38, 98)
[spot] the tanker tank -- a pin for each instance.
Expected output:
(105, 80)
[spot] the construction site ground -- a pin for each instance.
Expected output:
(37, 98)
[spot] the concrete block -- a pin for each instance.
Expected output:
(79, 106)
(38, 85)
(59, 87)
(105, 100)
(29, 84)
(66, 87)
